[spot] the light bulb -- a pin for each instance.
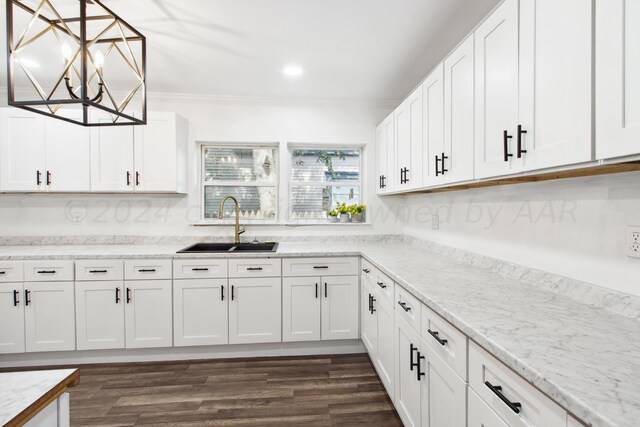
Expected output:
(99, 60)
(66, 53)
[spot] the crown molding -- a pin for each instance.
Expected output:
(382, 104)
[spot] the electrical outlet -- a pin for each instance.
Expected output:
(633, 242)
(435, 222)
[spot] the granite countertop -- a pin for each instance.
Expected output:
(24, 393)
(585, 358)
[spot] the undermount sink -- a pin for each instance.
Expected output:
(207, 248)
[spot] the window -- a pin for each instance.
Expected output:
(321, 179)
(248, 173)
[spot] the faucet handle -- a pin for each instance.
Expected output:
(241, 230)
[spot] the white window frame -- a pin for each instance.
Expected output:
(203, 184)
(328, 146)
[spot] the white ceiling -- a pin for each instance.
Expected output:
(371, 50)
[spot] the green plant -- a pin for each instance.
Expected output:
(342, 208)
(333, 213)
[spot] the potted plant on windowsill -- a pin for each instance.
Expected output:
(333, 215)
(343, 210)
(357, 212)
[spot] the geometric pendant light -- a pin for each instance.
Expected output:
(77, 61)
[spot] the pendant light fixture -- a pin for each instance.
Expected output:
(77, 61)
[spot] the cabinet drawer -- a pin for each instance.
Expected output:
(408, 307)
(255, 267)
(447, 341)
(385, 285)
(48, 271)
(199, 268)
(11, 271)
(299, 267)
(147, 269)
(515, 400)
(99, 270)
(367, 271)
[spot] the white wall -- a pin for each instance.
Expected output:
(573, 227)
(211, 119)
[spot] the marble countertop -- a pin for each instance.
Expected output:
(20, 391)
(585, 358)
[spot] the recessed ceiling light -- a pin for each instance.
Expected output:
(293, 71)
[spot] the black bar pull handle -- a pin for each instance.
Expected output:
(437, 167)
(443, 168)
(507, 137)
(404, 306)
(2, 273)
(48, 178)
(412, 364)
(137, 178)
(373, 302)
(370, 304)
(435, 335)
(254, 268)
(128, 295)
(320, 267)
(419, 374)
(380, 181)
(38, 178)
(16, 294)
(117, 295)
(384, 181)
(316, 291)
(200, 269)
(497, 390)
(233, 292)
(520, 133)
(222, 293)
(366, 270)
(97, 271)
(325, 290)
(147, 270)
(128, 178)
(382, 285)
(46, 272)
(27, 297)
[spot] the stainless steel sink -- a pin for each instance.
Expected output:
(208, 248)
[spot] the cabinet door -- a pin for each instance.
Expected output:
(381, 151)
(386, 156)
(112, 159)
(340, 308)
(480, 415)
(407, 390)
(410, 153)
(444, 393)
(385, 358)
(433, 125)
(617, 78)
(457, 158)
(148, 314)
(23, 138)
(200, 312)
(497, 100)
(402, 147)
(369, 332)
(49, 316)
(100, 315)
(11, 318)
(68, 156)
(155, 154)
(255, 310)
(301, 309)
(555, 83)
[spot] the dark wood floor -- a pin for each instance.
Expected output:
(341, 390)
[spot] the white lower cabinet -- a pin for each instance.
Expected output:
(369, 332)
(11, 318)
(339, 308)
(49, 316)
(385, 356)
(100, 310)
(148, 313)
(480, 415)
(407, 391)
(200, 312)
(301, 309)
(255, 310)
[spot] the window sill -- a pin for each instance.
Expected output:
(253, 223)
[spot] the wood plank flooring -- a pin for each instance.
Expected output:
(341, 390)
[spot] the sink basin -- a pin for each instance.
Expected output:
(208, 248)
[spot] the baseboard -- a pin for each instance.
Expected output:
(181, 353)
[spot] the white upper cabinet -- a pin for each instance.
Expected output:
(386, 155)
(497, 85)
(432, 125)
(401, 137)
(556, 83)
(455, 162)
(112, 159)
(617, 78)
(68, 156)
(161, 154)
(22, 150)
(409, 145)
